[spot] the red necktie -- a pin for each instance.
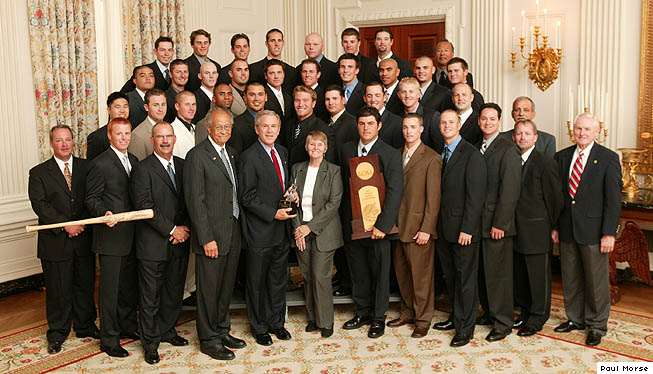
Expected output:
(276, 166)
(576, 173)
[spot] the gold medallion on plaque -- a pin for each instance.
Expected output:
(365, 170)
(370, 205)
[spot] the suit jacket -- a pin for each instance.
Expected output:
(185, 138)
(297, 145)
(420, 203)
(391, 129)
(368, 71)
(463, 193)
(140, 145)
(171, 112)
(539, 205)
(203, 103)
(257, 74)
(391, 167)
(97, 142)
(260, 191)
(345, 129)
(243, 134)
(327, 194)
(208, 192)
(287, 116)
(431, 135)
(437, 97)
(152, 188)
(405, 68)
(355, 102)
(107, 189)
(137, 112)
(160, 81)
(394, 104)
(320, 109)
(194, 69)
(596, 207)
(546, 143)
(503, 163)
(470, 130)
(238, 106)
(53, 202)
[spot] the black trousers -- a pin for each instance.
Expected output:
(267, 277)
(161, 293)
(369, 266)
(118, 297)
(533, 290)
(69, 296)
(495, 281)
(460, 266)
(215, 278)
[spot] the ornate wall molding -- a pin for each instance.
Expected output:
(487, 54)
(361, 17)
(645, 119)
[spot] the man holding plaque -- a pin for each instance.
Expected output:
(464, 177)
(369, 257)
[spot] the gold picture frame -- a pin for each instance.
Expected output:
(645, 113)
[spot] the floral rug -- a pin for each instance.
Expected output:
(629, 338)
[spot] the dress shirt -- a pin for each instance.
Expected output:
(307, 194)
(390, 90)
(165, 163)
(315, 85)
(527, 154)
(465, 115)
(488, 142)
(424, 88)
(276, 153)
(163, 68)
(438, 73)
(208, 92)
(152, 121)
(583, 161)
(62, 165)
(140, 93)
(408, 152)
(379, 59)
(335, 117)
(279, 96)
(319, 58)
(350, 88)
(367, 146)
(201, 59)
(121, 157)
(452, 147)
(252, 113)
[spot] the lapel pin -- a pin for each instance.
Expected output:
(213, 158)
(596, 162)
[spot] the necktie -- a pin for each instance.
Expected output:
(387, 96)
(125, 162)
(347, 94)
(576, 174)
(68, 175)
(364, 151)
(406, 159)
(443, 78)
(275, 161)
(298, 130)
(167, 75)
(446, 156)
(227, 165)
(171, 174)
(331, 123)
(483, 148)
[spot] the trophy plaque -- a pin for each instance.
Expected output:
(367, 188)
(289, 200)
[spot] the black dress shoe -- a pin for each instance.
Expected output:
(376, 330)
(311, 327)
(444, 326)
(115, 351)
(177, 341)
(593, 339)
(484, 320)
(134, 335)
(398, 322)
(151, 357)
(527, 331)
(356, 322)
(281, 333)
(263, 339)
(342, 291)
(326, 332)
(190, 300)
(94, 333)
(54, 347)
(569, 326)
(496, 335)
(519, 323)
(218, 352)
(460, 339)
(233, 342)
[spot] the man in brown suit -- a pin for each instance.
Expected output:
(420, 204)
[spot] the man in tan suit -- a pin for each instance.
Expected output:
(239, 73)
(420, 204)
(156, 107)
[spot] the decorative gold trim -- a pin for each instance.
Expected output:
(645, 112)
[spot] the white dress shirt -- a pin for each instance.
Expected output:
(307, 194)
(367, 146)
(62, 165)
(583, 161)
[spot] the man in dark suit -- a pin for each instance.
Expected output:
(383, 41)
(539, 205)
(208, 76)
(144, 81)
(107, 192)
(56, 191)
(390, 132)
(200, 41)
(462, 100)
(264, 176)
(240, 49)
(459, 226)
(314, 48)
(409, 94)
(418, 213)
(444, 53)
(350, 39)
(310, 74)
(389, 74)
(369, 259)
(348, 69)
(497, 224)
(98, 141)
(457, 68)
(244, 132)
(179, 78)
(523, 108)
(304, 101)
(434, 96)
(277, 100)
(590, 175)
(160, 243)
(212, 197)
(164, 49)
(274, 44)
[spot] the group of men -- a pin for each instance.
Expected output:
(209, 149)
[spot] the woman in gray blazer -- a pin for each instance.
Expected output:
(318, 232)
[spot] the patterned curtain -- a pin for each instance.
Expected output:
(64, 68)
(145, 21)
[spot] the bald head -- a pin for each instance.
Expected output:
(424, 70)
(313, 45)
(462, 97)
(388, 72)
(208, 75)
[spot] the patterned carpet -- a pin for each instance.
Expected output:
(630, 338)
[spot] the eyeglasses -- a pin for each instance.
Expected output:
(161, 137)
(222, 128)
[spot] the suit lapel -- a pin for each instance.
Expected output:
(417, 155)
(215, 157)
(266, 160)
(301, 177)
(590, 166)
(453, 159)
(118, 162)
(163, 173)
(56, 173)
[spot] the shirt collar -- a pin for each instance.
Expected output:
(140, 93)
(585, 151)
(527, 154)
(252, 113)
(162, 67)
(410, 151)
(379, 59)
(208, 92)
(367, 146)
(336, 116)
(351, 85)
(489, 141)
(465, 115)
(118, 153)
(452, 146)
(426, 87)
(274, 90)
(165, 162)
(315, 85)
(62, 163)
(319, 58)
(391, 89)
(200, 59)
(215, 145)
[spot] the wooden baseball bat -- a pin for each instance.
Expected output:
(118, 217)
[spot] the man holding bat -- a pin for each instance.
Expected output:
(56, 191)
(107, 192)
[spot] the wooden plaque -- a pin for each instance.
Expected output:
(367, 188)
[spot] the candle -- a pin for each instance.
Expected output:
(607, 100)
(558, 35)
(580, 97)
(544, 23)
(571, 105)
(532, 44)
(590, 104)
(537, 12)
(512, 41)
(523, 22)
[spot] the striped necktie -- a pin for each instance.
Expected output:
(576, 174)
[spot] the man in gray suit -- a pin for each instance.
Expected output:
(144, 81)
(210, 191)
(523, 108)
